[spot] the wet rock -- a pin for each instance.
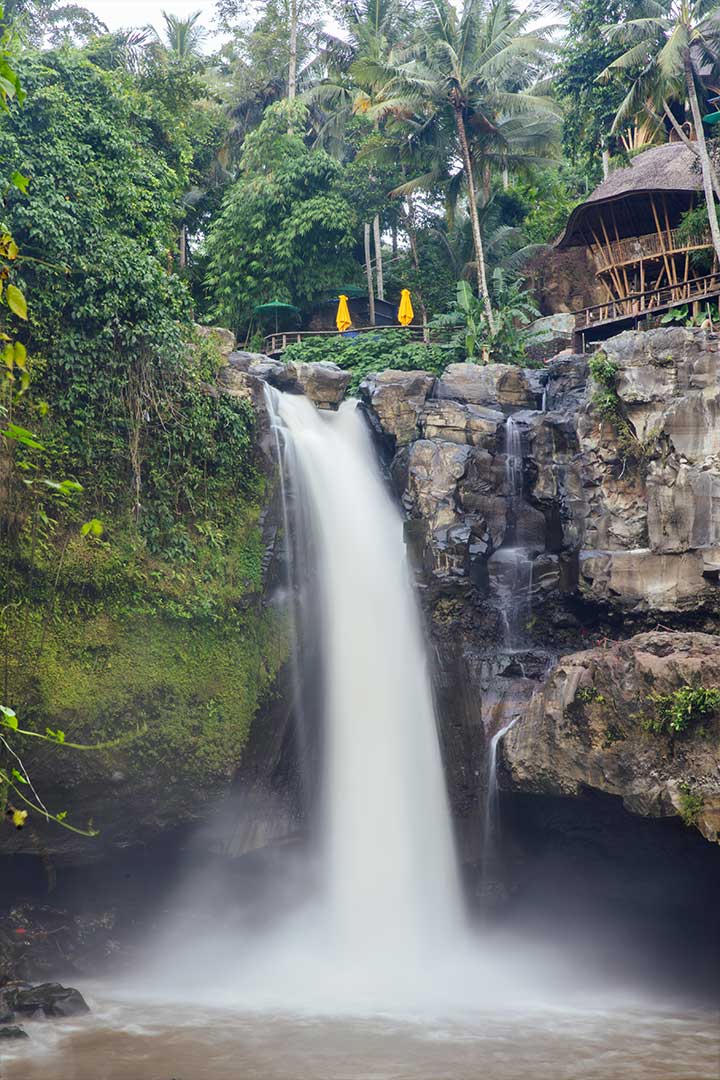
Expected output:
(497, 386)
(587, 728)
(48, 999)
(643, 581)
(397, 399)
(452, 421)
(566, 382)
(324, 383)
(13, 1033)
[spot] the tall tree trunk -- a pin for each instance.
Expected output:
(369, 273)
(690, 145)
(705, 163)
(292, 70)
(378, 258)
(183, 246)
(606, 163)
(475, 221)
(412, 237)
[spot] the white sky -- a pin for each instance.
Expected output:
(141, 12)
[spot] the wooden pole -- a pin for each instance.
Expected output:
(669, 239)
(378, 258)
(369, 273)
(662, 242)
(611, 267)
(617, 237)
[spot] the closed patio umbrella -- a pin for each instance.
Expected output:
(342, 319)
(405, 311)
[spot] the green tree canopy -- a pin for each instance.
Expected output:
(286, 231)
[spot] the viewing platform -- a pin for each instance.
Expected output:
(636, 306)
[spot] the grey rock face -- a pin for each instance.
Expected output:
(569, 521)
(587, 727)
(500, 386)
(397, 399)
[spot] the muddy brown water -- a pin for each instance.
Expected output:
(134, 1041)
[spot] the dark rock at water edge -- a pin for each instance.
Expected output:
(47, 999)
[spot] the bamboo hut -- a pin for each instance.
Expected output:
(643, 264)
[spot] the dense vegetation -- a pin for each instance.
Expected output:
(151, 183)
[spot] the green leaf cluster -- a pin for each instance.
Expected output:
(682, 710)
(286, 231)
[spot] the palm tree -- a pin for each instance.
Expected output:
(468, 66)
(183, 38)
(675, 48)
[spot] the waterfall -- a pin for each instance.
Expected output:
(511, 566)
(390, 881)
(492, 807)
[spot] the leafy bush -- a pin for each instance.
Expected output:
(513, 309)
(682, 710)
(691, 804)
(370, 352)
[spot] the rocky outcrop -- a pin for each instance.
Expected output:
(245, 374)
(496, 385)
(624, 503)
(595, 723)
(546, 510)
(322, 382)
(397, 399)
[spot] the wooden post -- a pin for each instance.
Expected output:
(378, 258)
(617, 238)
(662, 242)
(369, 274)
(611, 266)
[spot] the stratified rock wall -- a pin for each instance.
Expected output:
(542, 519)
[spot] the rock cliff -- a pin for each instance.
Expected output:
(554, 509)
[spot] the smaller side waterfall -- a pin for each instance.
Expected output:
(492, 807)
(511, 566)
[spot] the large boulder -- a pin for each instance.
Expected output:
(397, 399)
(48, 999)
(594, 724)
(452, 421)
(322, 382)
(498, 386)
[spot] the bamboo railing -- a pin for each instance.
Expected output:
(652, 300)
(277, 343)
(617, 253)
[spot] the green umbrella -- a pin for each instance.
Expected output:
(284, 311)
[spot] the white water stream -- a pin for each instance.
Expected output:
(390, 875)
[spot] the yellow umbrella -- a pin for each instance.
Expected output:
(342, 319)
(405, 311)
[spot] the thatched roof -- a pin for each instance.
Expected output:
(670, 169)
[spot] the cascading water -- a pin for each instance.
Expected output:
(511, 566)
(390, 879)
(492, 808)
